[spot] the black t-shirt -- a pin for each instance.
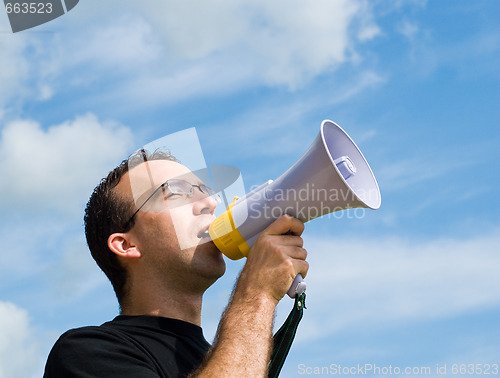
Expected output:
(129, 346)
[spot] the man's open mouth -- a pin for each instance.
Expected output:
(203, 234)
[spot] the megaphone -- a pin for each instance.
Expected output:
(332, 175)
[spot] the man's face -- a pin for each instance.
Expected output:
(171, 229)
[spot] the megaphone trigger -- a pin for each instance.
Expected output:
(298, 286)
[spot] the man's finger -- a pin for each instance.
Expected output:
(298, 253)
(285, 224)
(291, 240)
(301, 266)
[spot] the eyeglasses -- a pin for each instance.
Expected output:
(177, 187)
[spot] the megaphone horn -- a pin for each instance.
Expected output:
(332, 175)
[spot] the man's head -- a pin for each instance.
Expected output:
(129, 231)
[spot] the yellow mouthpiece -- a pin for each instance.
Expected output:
(226, 236)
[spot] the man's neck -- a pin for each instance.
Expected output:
(173, 304)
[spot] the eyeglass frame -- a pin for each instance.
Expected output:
(209, 191)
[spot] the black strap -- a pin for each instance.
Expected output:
(284, 337)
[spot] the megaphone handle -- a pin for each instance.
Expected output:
(298, 286)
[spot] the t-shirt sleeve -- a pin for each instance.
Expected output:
(94, 352)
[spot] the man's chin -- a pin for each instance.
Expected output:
(208, 246)
(212, 258)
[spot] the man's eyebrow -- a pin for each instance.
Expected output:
(194, 180)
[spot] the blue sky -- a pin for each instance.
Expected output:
(414, 83)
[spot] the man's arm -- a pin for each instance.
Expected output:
(244, 337)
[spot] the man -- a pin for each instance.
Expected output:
(136, 221)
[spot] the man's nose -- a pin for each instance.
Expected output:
(203, 203)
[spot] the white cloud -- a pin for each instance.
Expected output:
(379, 283)
(58, 167)
(167, 51)
(120, 45)
(279, 42)
(170, 50)
(283, 39)
(18, 352)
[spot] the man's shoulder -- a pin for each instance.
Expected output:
(88, 340)
(81, 335)
(93, 349)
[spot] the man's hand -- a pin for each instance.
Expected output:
(274, 260)
(244, 339)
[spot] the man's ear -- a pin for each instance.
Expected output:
(120, 244)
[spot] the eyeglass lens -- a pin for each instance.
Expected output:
(184, 187)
